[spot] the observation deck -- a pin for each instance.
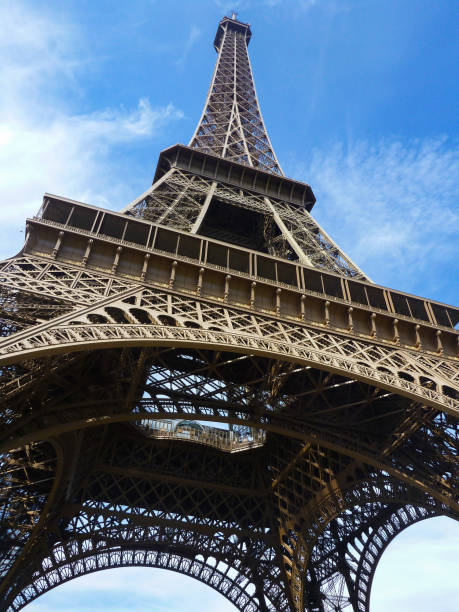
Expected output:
(192, 431)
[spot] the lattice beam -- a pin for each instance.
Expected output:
(216, 297)
(231, 125)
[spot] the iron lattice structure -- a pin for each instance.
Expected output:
(215, 297)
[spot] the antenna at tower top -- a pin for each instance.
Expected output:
(233, 15)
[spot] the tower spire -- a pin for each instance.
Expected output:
(189, 194)
(231, 124)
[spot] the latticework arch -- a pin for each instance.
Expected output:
(237, 592)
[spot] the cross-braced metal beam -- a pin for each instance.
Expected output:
(216, 298)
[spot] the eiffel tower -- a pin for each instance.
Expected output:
(204, 382)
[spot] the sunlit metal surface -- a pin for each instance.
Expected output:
(204, 382)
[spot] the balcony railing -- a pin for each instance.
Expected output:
(191, 431)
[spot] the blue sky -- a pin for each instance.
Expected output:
(358, 97)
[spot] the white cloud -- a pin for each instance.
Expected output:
(35, 49)
(193, 36)
(44, 146)
(228, 7)
(295, 7)
(392, 205)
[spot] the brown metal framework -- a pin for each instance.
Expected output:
(215, 297)
(231, 124)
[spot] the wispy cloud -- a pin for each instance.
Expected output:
(44, 144)
(35, 49)
(228, 6)
(193, 36)
(296, 5)
(391, 205)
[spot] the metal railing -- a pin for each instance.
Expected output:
(192, 431)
